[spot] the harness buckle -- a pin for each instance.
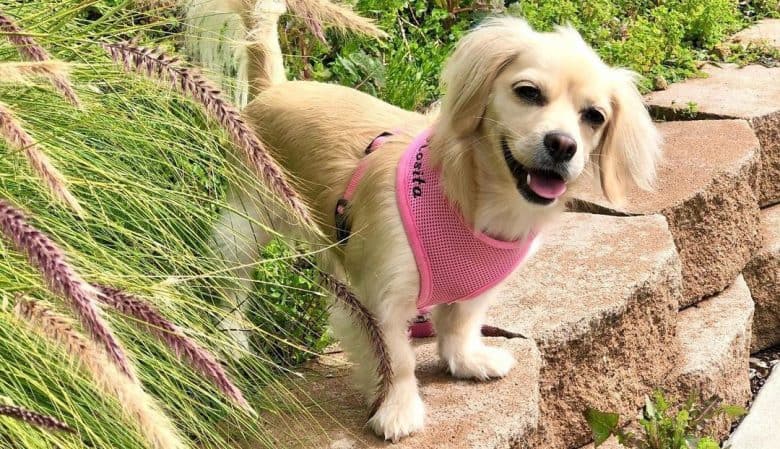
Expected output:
(343, 229)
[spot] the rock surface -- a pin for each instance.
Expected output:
(765, 31)
(705, 191)
(599, 302)
(460, 414)
(751, 93)
(715, 337)
(759, 428)
(762, 275)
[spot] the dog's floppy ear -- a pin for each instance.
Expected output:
(631, 146)
(469, 73)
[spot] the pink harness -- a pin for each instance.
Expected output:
(455, 263)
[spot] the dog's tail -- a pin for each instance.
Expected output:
(265, 65)
(238, 40)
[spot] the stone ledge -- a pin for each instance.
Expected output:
(705, 191)
(751, 93)
(762, 275)
(765, 32)
(715, 336)
(460, 414)
(600, 300)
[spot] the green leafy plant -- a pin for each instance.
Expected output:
(663, 426)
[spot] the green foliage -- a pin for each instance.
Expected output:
(661, 426)
(150, 170)
(661, 40)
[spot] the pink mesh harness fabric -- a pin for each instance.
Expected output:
(455, 262)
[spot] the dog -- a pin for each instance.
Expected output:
(523, 116)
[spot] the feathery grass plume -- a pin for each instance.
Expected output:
(384, 368)
(150, 421)
(199, 358)
(23, 72)
(32, 51)
(16, 137)
(33, 418)
(189, 81)
(62, 279)
(319, 13)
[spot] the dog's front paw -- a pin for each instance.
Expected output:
(401, 414)
(482, 363)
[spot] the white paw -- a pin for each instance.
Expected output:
(482, 363)
(400, 415)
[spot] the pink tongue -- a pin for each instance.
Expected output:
(546, 186)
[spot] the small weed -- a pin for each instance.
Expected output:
(661, 427)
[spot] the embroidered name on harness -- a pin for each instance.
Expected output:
(455, 263)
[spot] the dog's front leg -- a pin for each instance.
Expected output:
(459, 338)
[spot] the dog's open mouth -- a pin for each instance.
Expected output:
(536, 185)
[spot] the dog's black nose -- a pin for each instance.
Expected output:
(561, 146)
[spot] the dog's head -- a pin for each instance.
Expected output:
(549, 106)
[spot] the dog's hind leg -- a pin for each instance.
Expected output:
(402, 412)
(238, 238)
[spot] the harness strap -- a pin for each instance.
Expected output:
(343, 229)
(422, 326)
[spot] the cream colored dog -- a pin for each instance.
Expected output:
(524, 114)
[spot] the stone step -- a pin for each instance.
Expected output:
(762, 275)
(598, 301)
(751, 93)
(714, 336)
(763, 32)
(460, 414)
(704, 190)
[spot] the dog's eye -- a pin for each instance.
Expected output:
(529, 93)
(593, 117)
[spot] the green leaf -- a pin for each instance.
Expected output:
(707, 443)
(602, 424)
(733, 411)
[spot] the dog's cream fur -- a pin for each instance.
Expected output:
(319, 131)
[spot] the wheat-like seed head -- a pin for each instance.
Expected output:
(30, 50)
(62, 279)
(18, 138)
(150, 421)
(190, 82)
(199, 358)
(34, 418)
(318, 14)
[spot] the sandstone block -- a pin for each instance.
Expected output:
(751, 93)
(460, 414)
(762, 275)
(600, 300)
(705, 192)
(715, 338)
(765, 32)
